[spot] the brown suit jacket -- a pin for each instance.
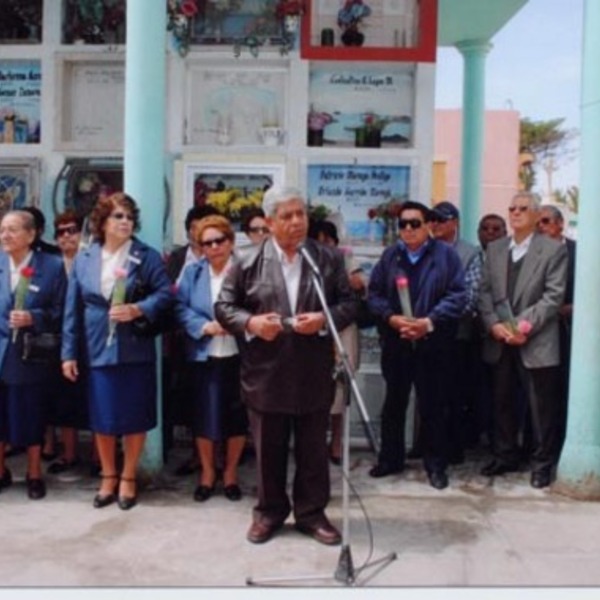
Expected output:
(539, 293)
(293, 373)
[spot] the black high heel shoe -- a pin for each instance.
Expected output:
(102, 500)
(127, 502)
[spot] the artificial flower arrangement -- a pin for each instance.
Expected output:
(180, 15)
(318, 212)
(349, 17)
(317, 121)
(25, 276)
(385, 212)
(232, 203)
(290, 8)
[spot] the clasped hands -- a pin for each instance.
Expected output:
(505, 334)
(123, 313)
(269, 325)
(409, 328)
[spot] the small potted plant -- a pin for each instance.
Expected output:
(316, 123)
(349, 18)
(368, 135)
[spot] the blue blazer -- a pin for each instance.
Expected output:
(86, 309)
(194, 308)
(44, 301)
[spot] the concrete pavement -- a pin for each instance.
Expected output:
(477, 532)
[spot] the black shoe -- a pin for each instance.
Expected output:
(438, 480)
(6, 479)
(540, 479)
(202, 493)
(102, 500)
(127, 502)
(232, 492)
(384, 469)
(62, 465)
(36, 488)
(497, 467)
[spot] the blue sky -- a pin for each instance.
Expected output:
(533, 67)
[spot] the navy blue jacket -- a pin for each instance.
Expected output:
(86, 309)
(437, 287)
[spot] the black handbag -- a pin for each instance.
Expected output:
(143, 326)
(41, 348)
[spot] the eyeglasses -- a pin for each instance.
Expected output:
(263, 230)
(414, 223)
(490, 228)
(521, 209)
(545, 221)
(214, 242)
(120, 216)
(70, 230)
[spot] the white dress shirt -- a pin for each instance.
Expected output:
(519, 250)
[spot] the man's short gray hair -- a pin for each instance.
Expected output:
(534, 200)
(276, 195)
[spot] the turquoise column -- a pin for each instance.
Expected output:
(473, 120)
(145, 93)
(579, 468)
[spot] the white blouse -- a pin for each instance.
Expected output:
(220, 346)
(110, 263)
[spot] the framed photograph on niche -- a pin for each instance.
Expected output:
(356, 198)
(21, 21)
(19, 183)
(20, 101)
(236, 106)
(363, 106)
(231, 188)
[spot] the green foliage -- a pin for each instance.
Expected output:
(568, 198)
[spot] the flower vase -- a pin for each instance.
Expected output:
(352, 37)
(389, 232)
(314, 137)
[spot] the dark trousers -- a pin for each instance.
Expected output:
(425, 365)
(543, 391)
(310, 492)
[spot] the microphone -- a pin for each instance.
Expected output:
(309, 259)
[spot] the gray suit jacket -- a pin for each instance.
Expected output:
(539, 293)
(293, 373)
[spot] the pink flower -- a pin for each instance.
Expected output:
(120, 273)
(401, 282)
(524, 327)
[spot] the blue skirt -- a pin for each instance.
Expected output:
(23, 414)
(122, 399)
(217, 409)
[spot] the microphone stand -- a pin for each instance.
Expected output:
(345, 571)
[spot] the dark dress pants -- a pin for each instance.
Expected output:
(425, 365)
(271, 434)
(543, 390)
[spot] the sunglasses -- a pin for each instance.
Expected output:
(214, 242)
(490, 228)
(414, 223)
(545, 221)
(521, 209)
(264, 230)
(70, 230)
(120, 216)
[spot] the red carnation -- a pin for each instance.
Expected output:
(189, 8)
(27, 272)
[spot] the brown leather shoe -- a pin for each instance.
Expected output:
(261, 532)
(324, 532)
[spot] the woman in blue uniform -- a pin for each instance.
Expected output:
(32, 288)
(218, 413)
(101, 309)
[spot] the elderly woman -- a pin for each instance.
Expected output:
(218, 414)
(32, 288)
(99, 311)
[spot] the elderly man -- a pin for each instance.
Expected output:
(463, 428)
(551, 223)
(523, 286)
(417, 292)
(269, 301)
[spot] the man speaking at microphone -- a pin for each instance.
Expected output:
(270, 302)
